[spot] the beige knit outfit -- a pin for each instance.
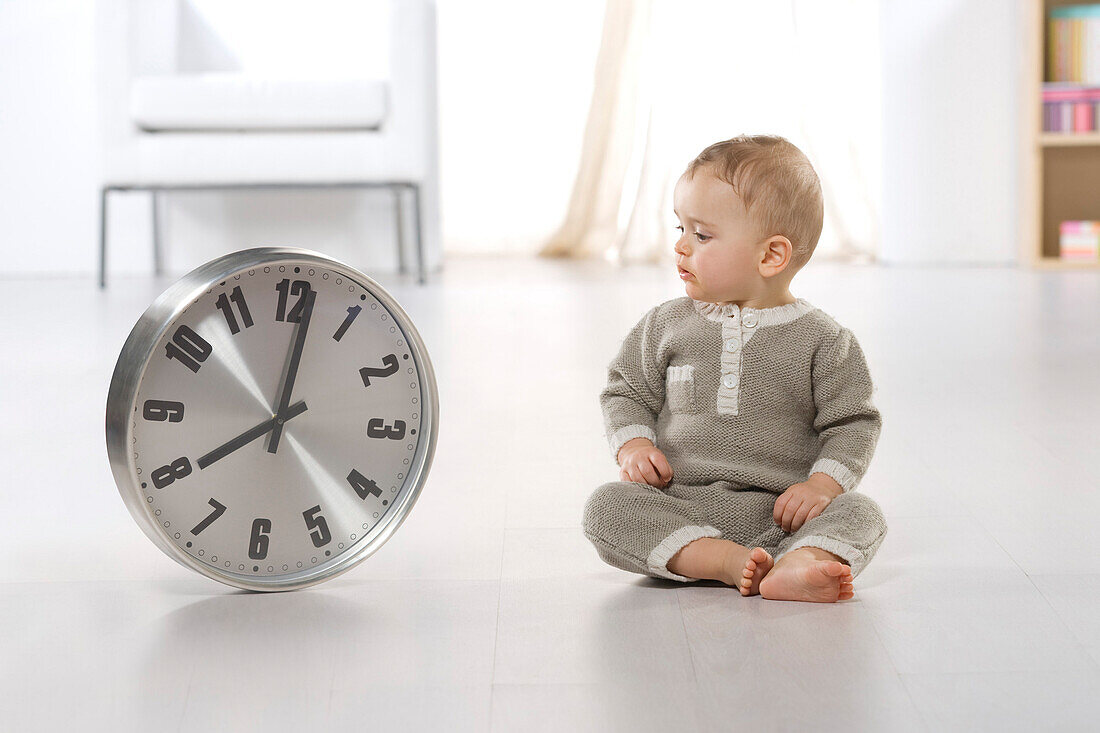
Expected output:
(743, 403)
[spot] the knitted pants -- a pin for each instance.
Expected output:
(639, 528)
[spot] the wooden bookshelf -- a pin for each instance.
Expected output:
(1060, 172)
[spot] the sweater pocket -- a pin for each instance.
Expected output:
(680, 388)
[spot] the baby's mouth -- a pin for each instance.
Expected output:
(684, 274)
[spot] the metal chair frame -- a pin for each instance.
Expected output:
(397, 187)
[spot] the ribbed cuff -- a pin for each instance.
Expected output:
(630, 432)
(838, 471)
(855, 558)
(662, 553)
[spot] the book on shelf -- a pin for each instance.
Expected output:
(1071, 96)
(1073, 44)
(1070, 107)
(1079, 241)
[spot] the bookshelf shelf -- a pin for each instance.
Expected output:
(1047, 139)
(1060, 172)
(1055, 263)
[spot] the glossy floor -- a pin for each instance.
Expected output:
(489, 610)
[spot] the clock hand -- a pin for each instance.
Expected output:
(249, 435)
(291, 370)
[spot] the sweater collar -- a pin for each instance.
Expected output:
(764, 316)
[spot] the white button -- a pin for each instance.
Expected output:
(733, 345)
(730, 381)
(749, 320)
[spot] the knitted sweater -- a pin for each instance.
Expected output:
(756, 397)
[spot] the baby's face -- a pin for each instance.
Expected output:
(717, 252)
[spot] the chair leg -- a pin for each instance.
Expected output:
(419, 234)
(399, 217)
(158, 265)
(103, 238)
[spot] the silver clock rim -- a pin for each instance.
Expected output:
(135, 356)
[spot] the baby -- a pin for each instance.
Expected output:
(741, 416)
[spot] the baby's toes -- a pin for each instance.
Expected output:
(757, 565)
(846, 589)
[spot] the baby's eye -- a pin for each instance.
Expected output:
(701, 237)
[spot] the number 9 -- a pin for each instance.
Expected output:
(161, 410)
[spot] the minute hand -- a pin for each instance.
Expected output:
(291, 371)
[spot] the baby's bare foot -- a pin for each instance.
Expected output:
(757, 565)
(803, 576)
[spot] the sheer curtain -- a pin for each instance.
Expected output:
(673, 77)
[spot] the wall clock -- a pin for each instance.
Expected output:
(272, 419)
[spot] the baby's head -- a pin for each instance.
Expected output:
(750, 212)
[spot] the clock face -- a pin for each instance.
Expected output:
(279, 421)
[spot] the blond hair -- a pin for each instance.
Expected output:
(777, 184)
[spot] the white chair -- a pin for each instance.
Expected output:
(179, 111)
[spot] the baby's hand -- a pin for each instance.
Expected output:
(802, 502)
(642, 462)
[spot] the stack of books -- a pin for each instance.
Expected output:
(1071, 97)
(1069, 107)
(1080, 241)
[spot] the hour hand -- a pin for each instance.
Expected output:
(249, 435)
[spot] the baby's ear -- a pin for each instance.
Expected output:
(777, 255)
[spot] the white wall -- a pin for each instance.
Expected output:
(48, 161)
(950, 72)
(515, 81)
(49, 203)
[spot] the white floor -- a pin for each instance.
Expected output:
(489, 610)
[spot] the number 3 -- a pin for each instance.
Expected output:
(376, 428)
